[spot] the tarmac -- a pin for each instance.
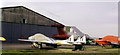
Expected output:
(24, 46)
(27, 46)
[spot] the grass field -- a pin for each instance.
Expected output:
(58, 51)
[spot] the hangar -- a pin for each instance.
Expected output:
(21, 22)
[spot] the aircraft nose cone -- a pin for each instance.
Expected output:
(2, 39)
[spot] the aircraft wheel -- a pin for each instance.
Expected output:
(40, 46)
(115, 46)
(55, 46)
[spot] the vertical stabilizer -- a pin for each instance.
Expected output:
(81, 40)
(71, 38)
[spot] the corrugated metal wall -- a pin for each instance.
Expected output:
(12, 31)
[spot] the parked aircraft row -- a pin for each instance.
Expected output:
(75, 37)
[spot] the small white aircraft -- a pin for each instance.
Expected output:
(39, 39)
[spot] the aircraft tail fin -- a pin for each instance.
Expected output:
(81, 39)
(71, 39)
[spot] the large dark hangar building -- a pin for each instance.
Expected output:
(21, 22)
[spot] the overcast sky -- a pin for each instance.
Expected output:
(97, 19)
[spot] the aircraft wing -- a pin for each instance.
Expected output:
(107, 41)
(99, 41)
(26, 40)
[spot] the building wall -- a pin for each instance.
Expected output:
(12, 32)
(17, 14)
(14, 28)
